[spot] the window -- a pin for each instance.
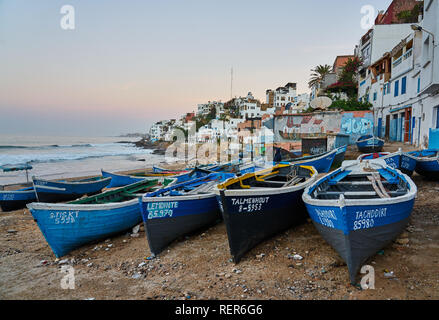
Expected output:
(404, 85)
(374, 96)
(396, 88)
(419, 84)
(388, 88)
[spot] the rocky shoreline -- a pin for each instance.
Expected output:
(159, 147)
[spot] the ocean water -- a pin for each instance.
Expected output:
(55, 157)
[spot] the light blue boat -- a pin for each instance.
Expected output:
(397, 160)
(181, 209)
(427, 163)
(70, 225)
(360, 208)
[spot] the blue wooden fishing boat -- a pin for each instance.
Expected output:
(339, 156)
(370, 144)
(120, 180)
(427, 163)
(13, 199)
(181, 209)
(360, 208)
(16, 199)
(61, 190)
(321, 162)
(397, 160)
(262, 204)
(68, 226)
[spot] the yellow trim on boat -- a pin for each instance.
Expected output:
(259, 175)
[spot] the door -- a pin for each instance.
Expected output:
(388, 126)
(407, 125)
(380, 125)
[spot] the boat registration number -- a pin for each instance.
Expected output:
(249, 204)
(64, 217)
(161, 209)
(7, 197)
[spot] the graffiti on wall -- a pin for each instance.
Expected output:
(296, 127)
(356, 124)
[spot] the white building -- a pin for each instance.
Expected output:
(403, 85)
(282, 95)
(373, 45)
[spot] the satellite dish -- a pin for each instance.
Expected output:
(320, 103)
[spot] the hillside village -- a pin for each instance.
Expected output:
(387, 87)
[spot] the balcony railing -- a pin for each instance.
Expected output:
(408, 54)
(397, 62)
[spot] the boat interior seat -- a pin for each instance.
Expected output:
(339, 177)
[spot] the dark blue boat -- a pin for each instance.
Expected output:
(370, 144)
(181, 209)
(259, 205)
(68, 226)
(16, 199)
(397, 160)
(427, 163)
(59, 191)
(360, 208)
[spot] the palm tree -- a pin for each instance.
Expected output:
(318, 74)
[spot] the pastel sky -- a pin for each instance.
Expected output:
(130, 63)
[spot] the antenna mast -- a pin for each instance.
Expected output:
(231, 84)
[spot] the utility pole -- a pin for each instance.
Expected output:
(231, 84)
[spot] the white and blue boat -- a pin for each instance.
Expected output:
(370, 144)
(68, 226)
(181, 209)
(397, 160)
(360, 208)
(259, 205)
(16, 199)
(427, 163)
(61, 190)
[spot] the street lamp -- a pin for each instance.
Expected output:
(416, 27)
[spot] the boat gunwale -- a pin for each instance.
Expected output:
(74, 183)
(372, 138)
(410, 195)
(267, 191)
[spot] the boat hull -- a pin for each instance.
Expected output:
(339, 157)
(428, 168)
(57, 191)
(358, 232)
(405, 163)
(120, 180)
(183, 215)
(14, 200)
(252, 219)
(67, 227)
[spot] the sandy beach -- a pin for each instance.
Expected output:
(199, 266)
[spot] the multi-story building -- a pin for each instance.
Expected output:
(282, 95)
(403, 85)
